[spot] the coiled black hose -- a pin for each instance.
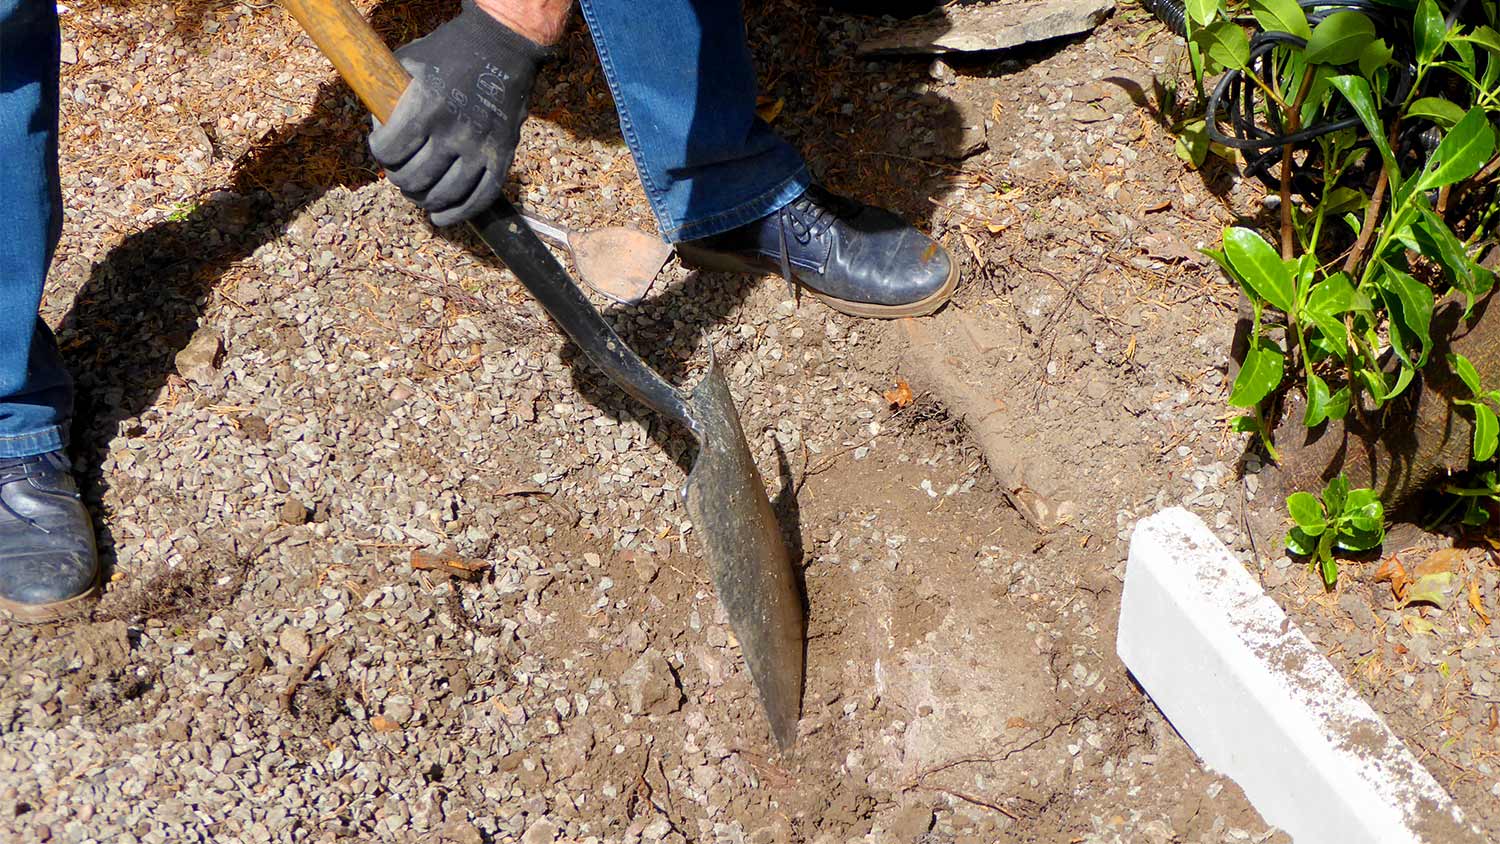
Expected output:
(1234, 99)
(1170, 12)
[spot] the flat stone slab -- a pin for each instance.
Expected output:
(1258, 702)
(1000, 26)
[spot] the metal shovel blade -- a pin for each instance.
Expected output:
(618, 261)
(742, 543)
(746, 554)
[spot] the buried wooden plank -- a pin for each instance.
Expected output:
(1034, 494)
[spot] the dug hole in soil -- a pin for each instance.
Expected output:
(266, 664)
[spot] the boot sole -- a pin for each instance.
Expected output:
(55, 611)
(718, 262)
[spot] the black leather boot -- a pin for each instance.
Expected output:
(859, 259)
(49, 568)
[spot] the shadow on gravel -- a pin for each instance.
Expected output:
(144, 299)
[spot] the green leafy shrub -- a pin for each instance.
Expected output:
(1376, 128)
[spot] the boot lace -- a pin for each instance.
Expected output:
(808, 216)
(14, 470)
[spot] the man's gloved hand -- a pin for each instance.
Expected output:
(451, 139)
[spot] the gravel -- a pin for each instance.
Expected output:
(361, 387)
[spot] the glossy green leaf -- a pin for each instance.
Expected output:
(1362, 524)
(1332, 296)
(1281, 16)
(1327, 567)
(1332, 331)
(1259, 375)
(1414, 311)
(1404, 377)
(1466, 56)
(1375, 55)
(1334, 494)
(1339, 200)
(1192, 143)
(1363, 506)
(1340, 38)
(1225, 44)
(1307, 512)
(1300, 543)
(1484, 36)
(1351, 538)
(1201, 12)
(1429, 30)
(1374, 383)
(1317, 401)
(1245, 425)
(1356, 89)
(1432, 238)
(1443, 112)
(1259, 266)
(1465, 149)
(1486, 432)
(1317, 93)
(1338, 404)
(1466, 372)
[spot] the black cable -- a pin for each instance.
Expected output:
(1170, 12)
(1235, 100)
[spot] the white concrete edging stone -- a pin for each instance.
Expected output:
(1258, 702)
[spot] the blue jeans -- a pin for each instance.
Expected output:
(36, 395)
(682, 80)
(681, 76)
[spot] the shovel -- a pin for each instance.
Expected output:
(724, 495)
(618, 261)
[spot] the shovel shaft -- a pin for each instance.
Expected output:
(361, 58)
(503, 230)
(550, 232)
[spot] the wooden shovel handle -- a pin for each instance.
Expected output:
(346, 38)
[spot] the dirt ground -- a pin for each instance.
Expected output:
(267, 666)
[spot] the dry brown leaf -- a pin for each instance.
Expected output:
(973, 245)
(1393, 571)
(900, 396)
(383, 724)
(1436, 588)
(1437, 562)
(1476, 603)
(769, 109)
(449, 564)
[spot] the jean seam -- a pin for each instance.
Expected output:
(745, 212)
(52, 438)
(654, 193)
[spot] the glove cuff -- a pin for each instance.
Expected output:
(489, 36)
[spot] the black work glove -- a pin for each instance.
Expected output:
(451, 139)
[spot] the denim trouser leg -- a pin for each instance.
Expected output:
(36, 395)
(684, 85)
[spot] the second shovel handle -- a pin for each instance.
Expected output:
(362, 59)
(547, 230)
